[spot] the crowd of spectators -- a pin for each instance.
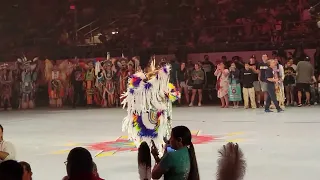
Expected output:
(178, 161)
(155, 23)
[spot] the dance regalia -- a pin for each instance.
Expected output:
(148, 100)
(5, 86)
(56, 78)
(89, 83)
(28, 82)
(109, 91)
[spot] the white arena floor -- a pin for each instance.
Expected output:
(277, 146)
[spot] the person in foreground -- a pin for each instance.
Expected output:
(271, 80)
(180, 162)
(231, 163)
(80, 165)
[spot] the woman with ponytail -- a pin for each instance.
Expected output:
(179, 163)
(144, 161)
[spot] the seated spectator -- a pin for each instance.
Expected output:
(181, 163)
(11, 170)
(80, 165)
(144, 161)
(231, 163)
(7, 151)
(95, 171)
(27, 172)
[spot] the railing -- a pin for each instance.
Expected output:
(90, 27)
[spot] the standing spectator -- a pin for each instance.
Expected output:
(289, 83)
(305, 77)
(182, 81)
(11, 170)
(270, 81)
(234, 91)
(180, 164)
(197, 85)
(222, 84)
(262, 77)
(27, 172)
(208, 68)
(256, 84)
(144, 161)
(7, 151)
(247, 79)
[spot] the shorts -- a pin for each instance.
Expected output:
(197, 86)
(303, 87)
(264, 87)
(256, 85)
(183, 84)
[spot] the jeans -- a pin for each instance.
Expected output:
(271, 96)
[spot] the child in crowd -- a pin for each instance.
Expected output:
(234, 90)
(247, 79)
(289, 83)
(144, 161)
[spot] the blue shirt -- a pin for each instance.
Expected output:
(263, 67)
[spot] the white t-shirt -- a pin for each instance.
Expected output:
(8, 147)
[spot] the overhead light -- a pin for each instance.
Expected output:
(115, 32)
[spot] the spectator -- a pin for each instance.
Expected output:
(234, 91)
(222, 74)
(182, 81)
(180, 164)
(289, 82)
(144, 161)
(11, 170)
(7, 151)
(247, 79)
(80, 165)
(271, 80)
(305, 77)
(95, 171)
(231, 163)
(27, 172)
(256, 84)
(262, 77)
(197, 85)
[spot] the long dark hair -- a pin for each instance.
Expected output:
(185, 135)
(144, 155)
(231, 163)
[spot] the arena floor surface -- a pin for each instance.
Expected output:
(277, 146)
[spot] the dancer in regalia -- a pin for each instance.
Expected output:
(109, 88)
(28, 82)
(148, 100)
(89, 83)
(5, 86)
(56, 76)
(122, 76)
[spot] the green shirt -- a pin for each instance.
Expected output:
(176, 164)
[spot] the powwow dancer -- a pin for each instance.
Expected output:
(5, 86)
(56, 76)
(148, 100)
(28, 79)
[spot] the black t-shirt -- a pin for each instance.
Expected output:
(268, 74)
(255, 75)
(263, 67)
(247, 78)
(289, 77)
